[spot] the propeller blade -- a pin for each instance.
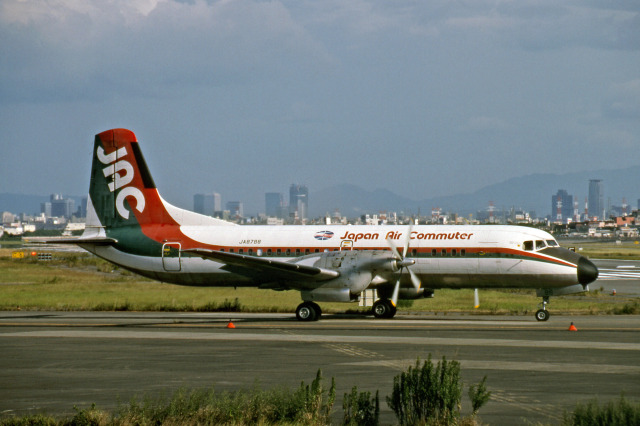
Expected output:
(407, 239)
(414, 279)
(394, 249)
(476, 299)
(396, 291)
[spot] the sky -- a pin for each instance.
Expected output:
(243, 97)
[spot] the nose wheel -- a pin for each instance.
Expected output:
(542, 314)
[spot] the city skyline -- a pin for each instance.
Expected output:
(326, 199)
(425, 99)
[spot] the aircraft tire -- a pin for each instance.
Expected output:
(316, 309)
(542, 315)
(307, 312)
(383, 308)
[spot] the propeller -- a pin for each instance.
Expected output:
(402, 262)
(476, 299)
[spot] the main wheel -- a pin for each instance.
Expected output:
(316, 309)
(542, 315)
(383, 308)
(306, 311)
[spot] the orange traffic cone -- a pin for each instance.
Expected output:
(231, 325)
(572, 327)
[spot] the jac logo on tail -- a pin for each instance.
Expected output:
(114, 168)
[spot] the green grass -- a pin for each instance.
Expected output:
(79, 281)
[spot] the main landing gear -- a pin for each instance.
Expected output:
(308, 311)
(383, 308)
(542, 314)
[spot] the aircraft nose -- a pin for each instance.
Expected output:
(587, 271)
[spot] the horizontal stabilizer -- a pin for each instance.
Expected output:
(105, 241)
(274, 269)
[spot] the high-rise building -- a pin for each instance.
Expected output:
(274, 203)
(59, 206)
(562, 209)
(298, 201)
(596, 199)
(207, 203)
(235, 209)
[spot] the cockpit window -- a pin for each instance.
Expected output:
(528, 245)
(540, 244)
(552, 243)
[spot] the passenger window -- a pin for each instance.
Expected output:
(231, 250)
(268, 252)
(454, 252)
(288, 252)
(250, 252)
(306, 251)
(241, 251)
(279, 252)
(528, 245)
(297, 252)
(443, 252)
(540, 244)
(463, 252)
(434, 252)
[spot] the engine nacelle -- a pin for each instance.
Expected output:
(328, 295)
(412, 293)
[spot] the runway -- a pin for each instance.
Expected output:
(53, 361)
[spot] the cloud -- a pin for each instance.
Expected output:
(623, 100)
(94, 49)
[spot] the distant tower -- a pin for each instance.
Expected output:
(236, 209)
(298, 201)
(491, 211)
(596, 199)
(207, 203)
(562, 204)
(274, 203)
(624, 207)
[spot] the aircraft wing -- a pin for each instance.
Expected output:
(266, 270)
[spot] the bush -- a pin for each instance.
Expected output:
(360, 408)
(308, 405)
(424, 393)
(620, 413)
(431, 395)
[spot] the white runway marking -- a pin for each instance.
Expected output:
(551, 367)
(254, 337)
(620, 273)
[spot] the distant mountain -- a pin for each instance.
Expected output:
(531, 193)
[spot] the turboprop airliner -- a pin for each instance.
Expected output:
(131, 225)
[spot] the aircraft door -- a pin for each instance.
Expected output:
(171, 257)
(346, 245)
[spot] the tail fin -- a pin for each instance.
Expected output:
(122, 192)
(121, 183)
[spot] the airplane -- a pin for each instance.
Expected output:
(129, 224)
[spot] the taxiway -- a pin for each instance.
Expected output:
(51, 361)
